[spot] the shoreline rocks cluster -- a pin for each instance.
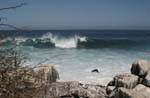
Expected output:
(125, 85)
(131, 85)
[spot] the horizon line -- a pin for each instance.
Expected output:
(95, 29)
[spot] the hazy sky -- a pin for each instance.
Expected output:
(79, 14)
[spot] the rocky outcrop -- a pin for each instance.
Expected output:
(60, 89)
(140, 91)
(125, 85)
(46, 73)
(135, 85)
(140, 68)
(124, 80)
(75, 90)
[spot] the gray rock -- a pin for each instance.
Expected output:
(140, 68)
(97, 88)
(146, 80)
(124, 80)
(46, 73)
(100, 90)
(86, 93)
(140, 91)
(75, 90)
(95, 70)
(59, 89)
(90, 91)
(110, 89)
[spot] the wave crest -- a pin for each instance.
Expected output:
(62, 42)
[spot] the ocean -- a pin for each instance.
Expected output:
(76, 52)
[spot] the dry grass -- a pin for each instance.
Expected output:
(21, 82)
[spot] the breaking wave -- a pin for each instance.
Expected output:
(50, 40)
(61, 42)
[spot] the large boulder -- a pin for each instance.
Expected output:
(61, 89)
(87, 93)
(46, 73)
(140, 91)
(140, 68)
(74, 89)
(124, 80)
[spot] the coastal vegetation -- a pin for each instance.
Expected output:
(17, 81)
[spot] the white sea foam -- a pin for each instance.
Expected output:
(76, 64)
(62, 42)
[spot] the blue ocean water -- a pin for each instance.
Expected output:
(76, 52)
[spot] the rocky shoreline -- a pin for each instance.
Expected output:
(125, 85)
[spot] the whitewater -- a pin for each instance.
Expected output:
(76, 53)
(70, 42)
